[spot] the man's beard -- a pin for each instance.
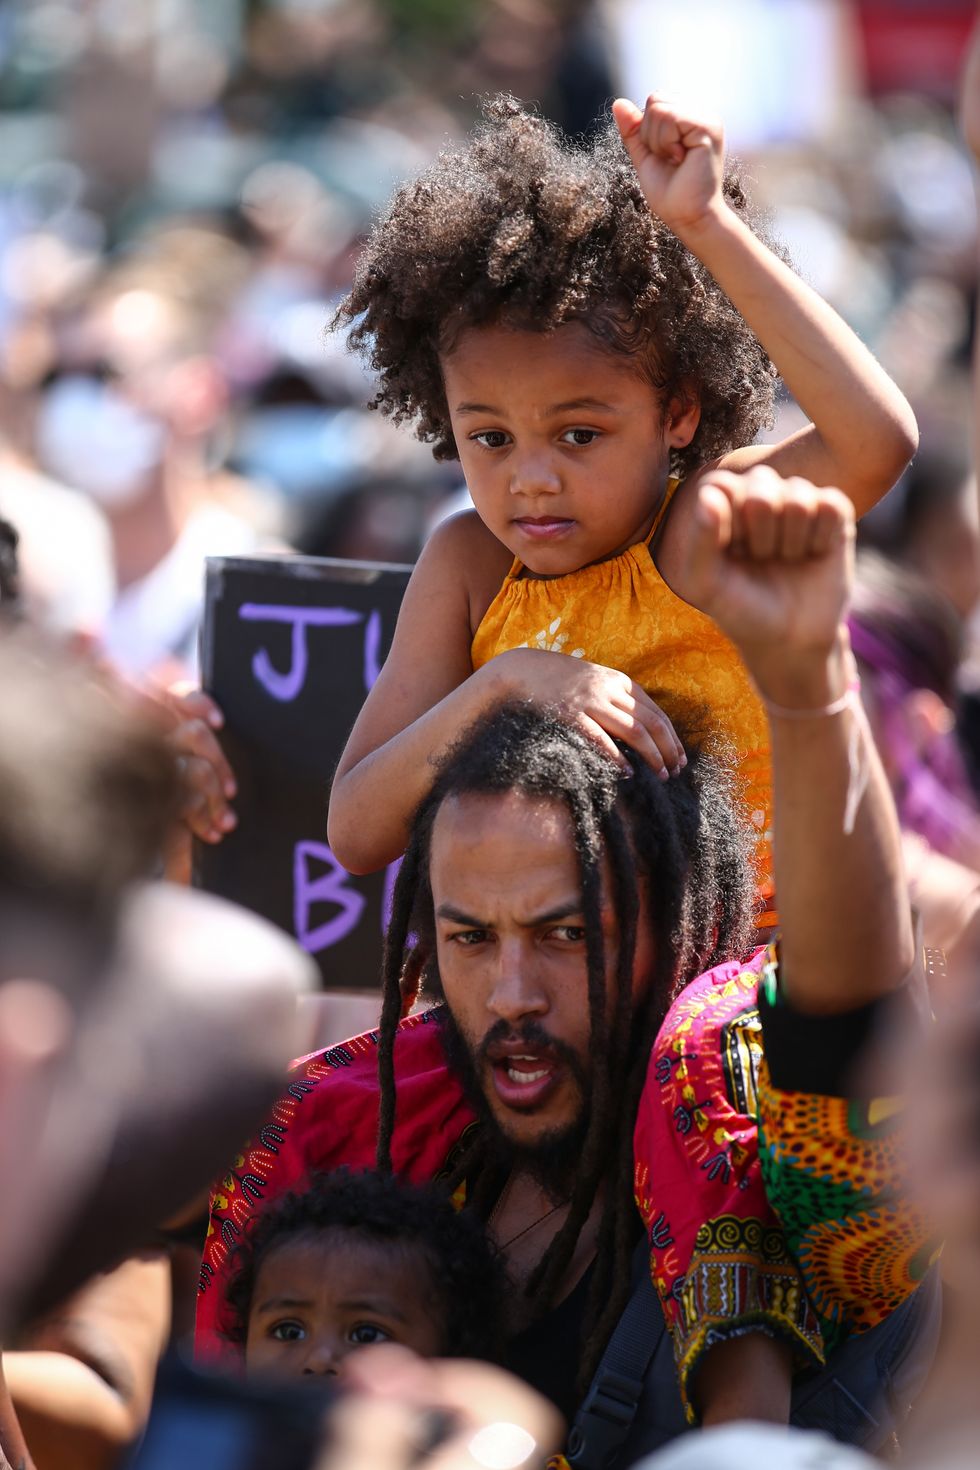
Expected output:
(551, 1160)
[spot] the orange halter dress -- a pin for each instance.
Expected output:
(622, 614)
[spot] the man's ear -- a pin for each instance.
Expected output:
(681, 420)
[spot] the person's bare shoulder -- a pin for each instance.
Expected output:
(462, 546)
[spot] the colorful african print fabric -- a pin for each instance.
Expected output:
(718, 1255)
(834, 1172)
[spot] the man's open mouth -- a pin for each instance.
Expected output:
(523, 1079)
(522, 1069)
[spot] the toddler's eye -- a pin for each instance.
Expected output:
(580, 437)
(490, 438)
(367, 1332)
(287, 1331)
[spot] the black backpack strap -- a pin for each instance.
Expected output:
(602, 1424)
(864, 1392)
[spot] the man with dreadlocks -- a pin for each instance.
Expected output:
(561, 901)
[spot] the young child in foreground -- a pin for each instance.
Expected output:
(356, 1259)
(587, 328)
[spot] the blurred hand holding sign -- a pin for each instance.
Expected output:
(290, 646)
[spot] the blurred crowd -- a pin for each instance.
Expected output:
(183, 191)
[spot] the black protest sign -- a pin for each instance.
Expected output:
(290, 646)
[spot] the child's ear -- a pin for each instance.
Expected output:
(681, 420)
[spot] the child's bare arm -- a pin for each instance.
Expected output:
(427, 693)
(862, 431)
(423, 696)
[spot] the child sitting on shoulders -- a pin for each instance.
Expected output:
(586, 328)
(356, 1259)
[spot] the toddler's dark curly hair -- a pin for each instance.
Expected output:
(467, 1277)
(522, 227)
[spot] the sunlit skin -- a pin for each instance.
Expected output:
(511, 948)
(565, 444)
(320, 1296)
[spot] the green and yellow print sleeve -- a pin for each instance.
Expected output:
(834, 1173)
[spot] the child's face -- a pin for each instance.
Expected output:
(320, 1296)
(564, 444)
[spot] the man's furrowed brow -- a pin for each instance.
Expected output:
(571, 909)
(456, 916)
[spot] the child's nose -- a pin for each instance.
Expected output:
(324, 1357)
(533, 473)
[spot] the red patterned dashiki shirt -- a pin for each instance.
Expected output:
(718, 1256)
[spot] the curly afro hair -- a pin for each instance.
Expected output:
(467, 1276)
(522, 227)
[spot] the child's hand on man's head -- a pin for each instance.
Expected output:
(679, 160)
(605, 704)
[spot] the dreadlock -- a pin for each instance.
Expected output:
(684, 843)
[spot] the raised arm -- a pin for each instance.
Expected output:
(862, 431)
(778, 585)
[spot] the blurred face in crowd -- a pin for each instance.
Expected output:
(126, 386)
(321, 1295)
(510, 939)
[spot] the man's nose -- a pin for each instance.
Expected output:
(517, 990)
(324, 1357)
(534, 472)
